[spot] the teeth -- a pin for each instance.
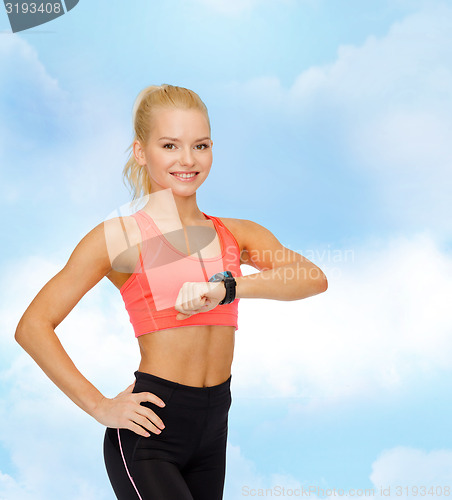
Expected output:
(185, 176)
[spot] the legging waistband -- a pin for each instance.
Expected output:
(183, 394)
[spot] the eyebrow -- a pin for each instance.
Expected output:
(175, 139)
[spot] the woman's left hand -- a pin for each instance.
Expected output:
(198, 297)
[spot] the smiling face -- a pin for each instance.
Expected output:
(179, 142)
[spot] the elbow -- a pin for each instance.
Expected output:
(30, 327)
(19, 334)
(320, 283)
(317, 284)
(22, 329)
(320, 286)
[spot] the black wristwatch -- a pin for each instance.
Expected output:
(229, 283)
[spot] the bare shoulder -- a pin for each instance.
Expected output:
(123, 238)
(259, 247)
(250, 236)
(88, 263)
(237, 227)
(106, 241)
(244, 229)
(122, 228)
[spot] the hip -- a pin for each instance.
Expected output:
(195, 418)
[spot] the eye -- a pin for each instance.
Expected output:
(168, 144)
(205, 145)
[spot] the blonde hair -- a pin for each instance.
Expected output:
(150, 98)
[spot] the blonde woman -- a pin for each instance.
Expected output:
(178, 272)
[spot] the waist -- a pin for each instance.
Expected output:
(182, 394)
(197, 356)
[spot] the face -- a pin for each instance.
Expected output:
(179, 143)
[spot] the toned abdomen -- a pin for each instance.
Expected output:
(198, 356)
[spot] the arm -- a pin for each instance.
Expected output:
(88, 263)
(35, 333)
(284, 274)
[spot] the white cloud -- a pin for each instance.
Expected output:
(22, 70)
(388, 103)
(95, 162)
(55, 447)
(243, 479)
(32, 104)
(399, 466)
(384, 320)
(57, 141)
(412, 468)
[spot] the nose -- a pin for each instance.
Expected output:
(186, 157)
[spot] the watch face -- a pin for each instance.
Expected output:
(217, 277)
(221, 276)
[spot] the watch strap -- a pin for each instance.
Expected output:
(229, 283)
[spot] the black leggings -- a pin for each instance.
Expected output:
(187, 460)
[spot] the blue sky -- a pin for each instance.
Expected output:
(331, 123)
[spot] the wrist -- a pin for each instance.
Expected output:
(229, 285)
(221, 288)
(96, 411)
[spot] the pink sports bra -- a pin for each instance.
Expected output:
(151, 291)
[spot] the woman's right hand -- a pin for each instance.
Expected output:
(125, 412)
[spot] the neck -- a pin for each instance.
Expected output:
(164, 204)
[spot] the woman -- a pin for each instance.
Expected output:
(178, 271)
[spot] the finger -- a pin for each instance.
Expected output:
(138, 429)
(206, 302)
(184, 299)
(148, 423)
(203, 303)
(196, 303)
(184, 302)
(151, 397)
(182, 316)
(199, 299)
(191, 299)
(178, 303)
(146, 415)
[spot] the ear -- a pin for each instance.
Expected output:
(138, 152)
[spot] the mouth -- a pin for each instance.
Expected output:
(184, 177)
